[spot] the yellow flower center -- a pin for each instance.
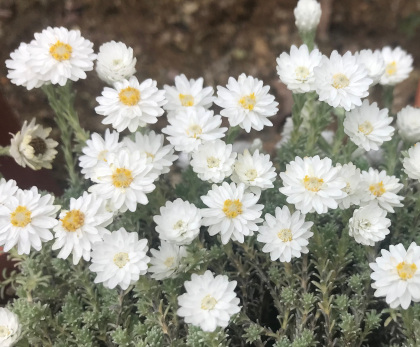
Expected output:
(347, 189)
(61, 51)
(208, 303)
(248, 101)
(391, 68)
(4, 331)
(39, 145)
(186, 100)
(169, 262)
(149, 155)
(302, 73)
(122, 178)
(20, 217)
(212, 162)
(251, 174)
(232, 209)
(366, 127)
(314, 184)
(340, 81)
(285, 235)
(73, 220)
(129, 96)
(121, 259)
(377, 189)
(406, 271)
(194, 131)
(179, 224)
(102, 155)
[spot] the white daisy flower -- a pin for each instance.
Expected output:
(189, 128)
(411, 163)
(26, 219)
(285, 235)
(354, 188)
(213, 161)
(231, 212)
(367, 126)
(397, 275)
(369, 224)
(115, 62)
(119, 259)
(97, 150)
(246, 103)
(312, 184)
(124, 179)
(81, 226)
(10, 329)
(307, 15)
(256, 171)
(7, 189)
(209, 301)
(165, 262)
(31, 147)
(398, 65)
(58, 55)
(131, 104)
(373, 62)
(383, 188)
(297, 69)
(340, 81)
(408, 123)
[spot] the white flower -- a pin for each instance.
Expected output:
(312, 184)
(119, 259)
(26, 219)
(368, 126)
(398, 65)
(411, 163)
(369, 224)
(81, 226)
(131, 104)
(31, 147)
(307, 15)
(124, 179)
(231, 212)
(397, 275)
(246, 103)
(354, 188)
(179, 222)
(213, 161)
(285, 235)
(193, 126)
(165, 262)
(97, 150)
(58, 54)
(297, 69)
(373, 63)
(383, 188)
(115, 62)
(7, 189)
(209, 301)
(408, 123)
(159, 156)
(255, 171)
(340, 81)
(10, 328)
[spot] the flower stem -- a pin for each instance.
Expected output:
(5, 150)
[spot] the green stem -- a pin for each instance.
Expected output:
(308, 38)
(232, 134)
(388, 97)
(299, 103)
(5, 150)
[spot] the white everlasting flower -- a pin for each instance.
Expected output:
(355, 188)
(373, 62)
(189, 128)
(26, 219)
(312, 184)
(115, 62)
(408, 123)
(124, 179)
(307, 15)
(285, 235)
(231, 212)
(397, 275)
(213, 161)
(368, 126)
(81, 226)
(58, 55)
(398, 65)
(31, 147)
(119, 259)
(179, 222)
(246, 103)
(256, 171)
(340, 81)
(131, 104)
(369, 224)
(209, 301)
(7, 190)
(297, 69)
(411, 163)
(383, 188)
(10, 328)
(165, 262)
